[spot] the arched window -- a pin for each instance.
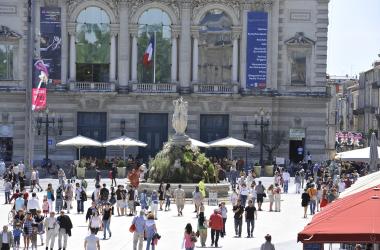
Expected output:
(154, 23)
(93, 45)
(215, 48)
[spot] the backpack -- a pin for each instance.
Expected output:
(83, 195)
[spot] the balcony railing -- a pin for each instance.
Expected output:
(154, 88)
(216, 88)
(92, 86)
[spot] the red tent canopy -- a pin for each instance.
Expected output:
(353, 219)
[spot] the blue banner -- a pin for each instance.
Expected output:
(51, 41)
(257, 34)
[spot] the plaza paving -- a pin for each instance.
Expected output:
(283, 226)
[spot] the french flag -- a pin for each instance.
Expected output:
(148, 55)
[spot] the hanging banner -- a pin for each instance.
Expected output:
(257, 33)
(40, 79)
(51, 42)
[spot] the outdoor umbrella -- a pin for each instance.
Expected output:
(352, 219)
(124, 142)
(362, 155)
(373, 153)
(80, 142)
(198, 144)
(230, 143)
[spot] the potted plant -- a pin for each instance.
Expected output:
(121, 169)
(268, 169)
(81, 170)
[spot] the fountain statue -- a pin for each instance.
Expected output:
(179, 122)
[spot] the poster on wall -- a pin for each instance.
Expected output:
(51, 42)
(257, 33)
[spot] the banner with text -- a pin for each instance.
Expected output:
(40, 79)
(51, 42)
(257, 33)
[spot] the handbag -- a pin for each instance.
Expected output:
(52, 197)
(132, 228)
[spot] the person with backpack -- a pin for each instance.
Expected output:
(104, 194)
(58, 199)
(189, 237)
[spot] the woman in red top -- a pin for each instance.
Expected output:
(216, 225)
(324, 200)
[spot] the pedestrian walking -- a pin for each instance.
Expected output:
(243, 194)
(270, 192)
(113, 175)
(65, 227)
(197, 197)
(68, 196)
(161, 192)
(286, 179)
(17, 231)
(250, 217)
(138, 234)
(45, 206)
(6, 239)
(39, 220)
(313, 198)
(27, 233)
(277, 198)
(50, 196)
(120, 200)
(91, 211)
(33, 204)
(7, 191)
(168, 195)
(154, 203)
(179, 196)
(80, 197)
(58, 199)
(268, 244)
(305, 202)
(297, 181)
(61, 177)
(260, 190)
(95, 222)
(106, 219)
(92, 242)
(238, 218)
(202, 226)
(189, 237)
(144, 200)
(223, 212)
(150, 231)
(216, 225)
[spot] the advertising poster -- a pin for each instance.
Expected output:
(40, 79)
(257, 33)
(51, 42)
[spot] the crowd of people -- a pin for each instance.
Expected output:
(49, 218)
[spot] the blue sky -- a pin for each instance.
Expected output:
(354, 36)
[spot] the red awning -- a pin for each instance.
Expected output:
(353, 219)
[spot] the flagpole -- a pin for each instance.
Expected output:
(154, 58)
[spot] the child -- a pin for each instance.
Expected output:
(45, 206)
(17, 231)
(34, 236)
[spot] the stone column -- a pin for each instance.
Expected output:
(113, 57)
(243, 46)
(37, 34)
(195, 35)
(174, 56)
(235, 56)
(73, 56)
(64, 51)
(123, 52)
(134, 57)
(185, 47)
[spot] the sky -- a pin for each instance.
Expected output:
(353, 36)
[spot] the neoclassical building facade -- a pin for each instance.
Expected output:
(102, 87)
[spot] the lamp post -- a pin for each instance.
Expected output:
(262, 120)
(245, 135)
(45, 120)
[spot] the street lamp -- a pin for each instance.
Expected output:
(45, 120)
(245, 135)
(262, 119)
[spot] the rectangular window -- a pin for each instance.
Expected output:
(6, 62)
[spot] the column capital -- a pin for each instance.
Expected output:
(236, 32)
(114, 33)
(185, 4)
(71, 27)
(195, 31)
(133, 30)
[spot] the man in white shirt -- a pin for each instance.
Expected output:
(33, 204)
(51, 233)
(6, 239)
(286, 178)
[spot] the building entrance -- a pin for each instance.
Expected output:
(296, 150)
(153, 130)
(92, 125)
